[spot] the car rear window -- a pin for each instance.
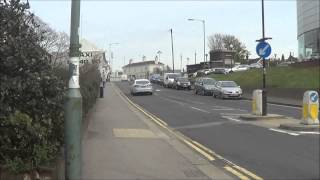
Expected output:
(142, 82)
(228, 84)
(209, 81)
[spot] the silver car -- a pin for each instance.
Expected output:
(141, 86)
(227, 89)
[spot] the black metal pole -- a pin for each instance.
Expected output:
(172, 51)
(204, 41)
(264, 89)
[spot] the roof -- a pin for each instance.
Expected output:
(142, 63)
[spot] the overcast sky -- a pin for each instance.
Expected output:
(142, 27)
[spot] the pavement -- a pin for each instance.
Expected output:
(259, 149)
(122, 141)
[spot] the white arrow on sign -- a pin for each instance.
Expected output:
(263, 51)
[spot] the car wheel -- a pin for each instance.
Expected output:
(195, 91)
(203, 93)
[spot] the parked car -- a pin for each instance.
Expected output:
(168, 79)
(227, 89)
(204, 86)
(181, 83)
(242, 67)
(141, 86)
(255, 65)
(220, 71)
(154, 77)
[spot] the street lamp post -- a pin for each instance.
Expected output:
(159, 52)
(111, 56)
(172, 51)
(204, 35)
(73, 111)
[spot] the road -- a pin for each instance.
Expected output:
(258, 147)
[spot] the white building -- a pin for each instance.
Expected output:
(91, 54)
(143, 69)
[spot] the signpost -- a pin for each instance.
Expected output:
(263, 50)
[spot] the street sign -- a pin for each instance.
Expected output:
(313, 97)
(263, 49)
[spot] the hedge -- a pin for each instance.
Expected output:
(32, 92)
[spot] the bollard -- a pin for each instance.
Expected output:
(257, 102)
(101, 89)
(310, 109)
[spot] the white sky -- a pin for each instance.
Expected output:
(142, 27)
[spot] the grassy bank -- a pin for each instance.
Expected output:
(277, 77)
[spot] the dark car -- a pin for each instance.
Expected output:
(181, 83)
(204, 86)
(154, 77)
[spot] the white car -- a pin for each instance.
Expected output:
(168, 79)
(255, 65)
(141, 86)
(242, 67)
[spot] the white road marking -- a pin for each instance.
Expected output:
(307, 132)
(231, 114)
(232, 119)
(282, 131)
(182, 104)
(196, 102)
(223, 107)
(199, 109)
(158, 90)
(230, 109)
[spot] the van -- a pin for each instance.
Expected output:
(124, 77)
(168, 79)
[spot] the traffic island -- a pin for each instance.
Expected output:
(252, 117)
(300, 127)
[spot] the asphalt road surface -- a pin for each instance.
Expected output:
(269, 153)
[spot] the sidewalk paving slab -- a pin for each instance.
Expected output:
(122, 143)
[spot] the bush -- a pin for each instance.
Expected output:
(32, 92)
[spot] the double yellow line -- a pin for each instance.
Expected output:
(234, 169)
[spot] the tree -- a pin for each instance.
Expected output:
(56, 43)
(229, 42)
(282, 57)
(31, 94)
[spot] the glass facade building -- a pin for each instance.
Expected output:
(308, 12)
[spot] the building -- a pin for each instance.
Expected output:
(308, 16)
(143, 69)
(91, 54)
(221, 58)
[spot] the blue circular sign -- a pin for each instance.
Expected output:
(314, 97)
(263, 49)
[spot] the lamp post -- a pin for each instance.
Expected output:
(172, 51)
(111, 56)
(231, 49)
(73, 106)
(159, 52)
(204, 35)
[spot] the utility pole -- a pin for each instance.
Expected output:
(264, 90)
(172, 51)
(181, 62)
(195, 57)
(73, 111)
(204, 40)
